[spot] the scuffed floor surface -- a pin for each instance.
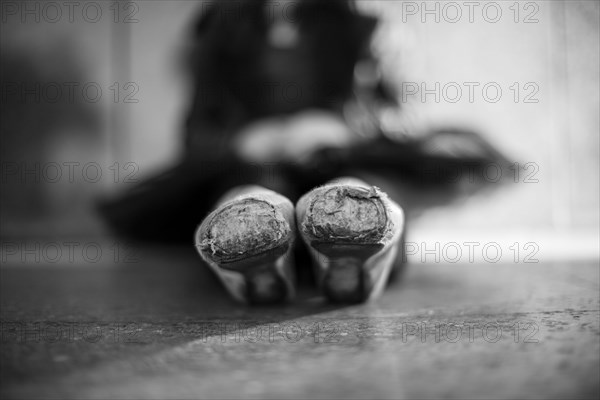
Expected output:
(162, 327)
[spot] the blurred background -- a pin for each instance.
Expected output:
(94, 96)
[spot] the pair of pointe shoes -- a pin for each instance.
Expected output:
(351, 229)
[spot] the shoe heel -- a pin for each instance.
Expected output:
(344, 277)
(351, 231)
(264, 276)
(248, 243)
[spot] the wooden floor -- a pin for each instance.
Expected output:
(163, 327)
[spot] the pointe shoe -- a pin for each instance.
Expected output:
(247, 241)
(353, 233)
